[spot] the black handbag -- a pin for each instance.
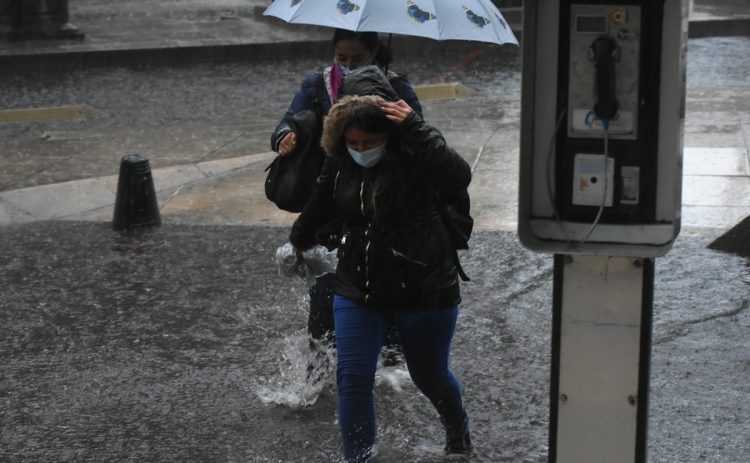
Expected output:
(291, 178)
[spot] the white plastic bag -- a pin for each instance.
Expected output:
(308, 264)
(287, 260)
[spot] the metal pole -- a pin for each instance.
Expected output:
(601, 348)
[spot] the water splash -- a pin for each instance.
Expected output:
(394, 377)
(392, 370)
(307, 369)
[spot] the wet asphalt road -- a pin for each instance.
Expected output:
(144, 108)
(156, 347)
(148, 97)
(232, 91)
(135, 105)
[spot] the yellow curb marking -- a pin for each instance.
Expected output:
(57, 113)
(442, 91)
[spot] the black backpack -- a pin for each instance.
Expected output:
(456, 215)
(291, 178)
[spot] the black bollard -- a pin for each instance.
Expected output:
(36, 19)
(135, 204)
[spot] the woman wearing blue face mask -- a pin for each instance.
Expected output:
(382, 176)
(318, 92)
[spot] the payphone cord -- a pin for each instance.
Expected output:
(551, 196)
(605, 125)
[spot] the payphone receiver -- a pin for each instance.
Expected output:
(605, 52)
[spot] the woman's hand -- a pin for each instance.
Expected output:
(397, 112)
(288, 143)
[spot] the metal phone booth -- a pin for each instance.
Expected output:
(603, 107)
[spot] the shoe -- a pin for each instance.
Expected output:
(458, 447)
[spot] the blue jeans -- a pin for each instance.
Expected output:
(426, 339)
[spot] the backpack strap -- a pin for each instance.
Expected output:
(458, 223)
(459, 268)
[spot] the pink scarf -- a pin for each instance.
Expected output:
(336, 79)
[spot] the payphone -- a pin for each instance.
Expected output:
(602, 113)
(601, 126)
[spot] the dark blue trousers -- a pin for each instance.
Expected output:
(426, 339)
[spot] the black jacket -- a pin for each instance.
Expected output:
(395, 252)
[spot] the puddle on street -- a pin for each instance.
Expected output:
(183, 343)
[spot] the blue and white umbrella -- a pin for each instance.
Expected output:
(477, 20)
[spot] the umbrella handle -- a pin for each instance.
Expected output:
(390, 38)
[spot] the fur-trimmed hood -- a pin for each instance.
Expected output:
(341, 114)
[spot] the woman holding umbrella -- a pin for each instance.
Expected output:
(383, 173)
(319, 91)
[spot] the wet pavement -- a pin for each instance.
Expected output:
(181, 343)
(199, 122)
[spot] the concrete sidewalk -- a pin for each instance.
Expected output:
(138, 32)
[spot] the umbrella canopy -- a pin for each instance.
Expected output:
(477, 20)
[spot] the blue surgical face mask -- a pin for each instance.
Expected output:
(369, 157)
